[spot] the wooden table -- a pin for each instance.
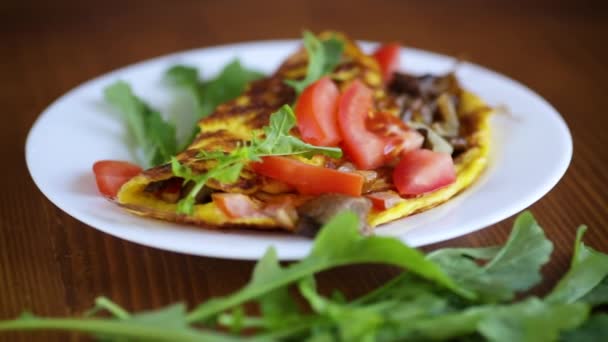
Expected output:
(52, 264)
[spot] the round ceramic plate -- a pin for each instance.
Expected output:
(530, 151)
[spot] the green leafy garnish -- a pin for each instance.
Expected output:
(587, 279)
(593, 330)
(230, 83)
(273, 140)
(150, 131)
(339, 243)
(323, 57)
(430, 301)
(512, 268)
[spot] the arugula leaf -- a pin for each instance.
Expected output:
(532, 320)
(183, 76)
(323, 57)
(598, 295)
(227, 170)
(587, 279)
(352, 323)
(276, 142)
(339, 243)
(151, 132)
(230, 83)
(207, 95)
(514, 267)
(593, 330)
(529, 321)
(276, 306)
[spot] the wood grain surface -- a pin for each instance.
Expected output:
(52, 264)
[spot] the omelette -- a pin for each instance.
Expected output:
(449, 118)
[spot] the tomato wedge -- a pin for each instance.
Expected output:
(364, 148)
(398, 137)
(110, 175)
(310, 179)
(387, 56)
(236, 205)
(422, 171)
(316, 112)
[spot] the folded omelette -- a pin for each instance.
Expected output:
(419, 100)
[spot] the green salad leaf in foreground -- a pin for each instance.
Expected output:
(515, 267)
(273, 140)
(446, 295)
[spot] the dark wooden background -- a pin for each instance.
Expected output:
(52, 264)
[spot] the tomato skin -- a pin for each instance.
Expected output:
(110, 175)
(398, 137)
(310, 179)
(364, 148)
(236, 205)
(384, 199)
(422, 171)
(387, 57)
(316, 113)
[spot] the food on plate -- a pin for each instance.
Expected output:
(333, 128)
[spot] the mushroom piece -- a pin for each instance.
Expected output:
(320, 210)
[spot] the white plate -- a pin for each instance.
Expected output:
(529, 153)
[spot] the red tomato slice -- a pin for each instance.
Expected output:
(422, 171)
(387, 56)
(310, 179)
(236, 205)
(316, 113)
(110, 175)
(364, 148)
(398, 137)
(384, 199)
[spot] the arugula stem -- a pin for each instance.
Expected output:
(203, 312)
(114, 328)
(303, 324)
(113, 308)
(377, 291)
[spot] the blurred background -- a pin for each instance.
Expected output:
(71, 41)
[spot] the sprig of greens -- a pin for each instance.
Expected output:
(323, 57)
(150, 131)
(505, 271)
(432, 301)
(272, 140)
